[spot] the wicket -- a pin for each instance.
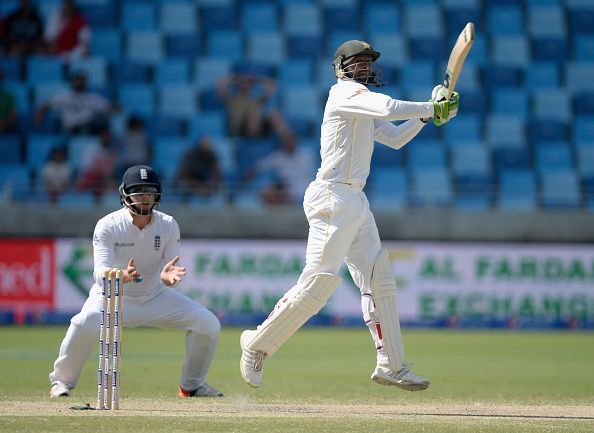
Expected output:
(110, 338)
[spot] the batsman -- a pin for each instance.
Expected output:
(341, 225)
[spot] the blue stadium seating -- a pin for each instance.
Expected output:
(138, 16)
(381, 18)
(44, 70)
(10, 149)
(560, 189)
(180, 45)
(145, 47)
(517, 191)
(388, 189)
(178, 17)
(107, 44)
(266, 49)
(259, 17)
(137, 98)
(505, 19)
(172, 71)
(177, 100)
(430, 187)
(11, 67)
(303, 19)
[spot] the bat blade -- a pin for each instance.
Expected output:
(457, 57)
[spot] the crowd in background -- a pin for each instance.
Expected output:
(81, 110)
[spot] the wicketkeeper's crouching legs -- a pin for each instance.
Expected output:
(291, 312)
(381, 316)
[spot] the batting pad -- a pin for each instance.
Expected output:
(383, 286)
(293, 311)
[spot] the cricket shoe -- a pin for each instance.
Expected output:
(251, 362)
(59, 389)
(403, 378)
(204, 390)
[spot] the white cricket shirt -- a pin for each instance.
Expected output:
(116, 240)
(354, 118)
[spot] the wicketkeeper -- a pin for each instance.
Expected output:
(341, 225)
(145, 244)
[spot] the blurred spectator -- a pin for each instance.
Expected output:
(81, 111)
(97, 170)
(245, 97)
(56, 173)
(293, 168)
(134, 147)
(23, 30)
(8, 112)
(67, 33)
(199, 172)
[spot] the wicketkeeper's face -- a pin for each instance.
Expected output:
(143, 196)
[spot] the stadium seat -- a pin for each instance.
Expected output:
(430, 187)
(95, 68)
(546, 21)
(578, 76)
(144, 47)
(381, 18)
(423, 48)
(302, 102)
(583, 129)
(418, 74)
(393, 46)
(552, 157)
(584, 103)
(516, 191)
(188, 46)
(210, 123)
(470, 159)
(11, 67)
(505, 19)
(100, 15)
(583, 48)
(426, 155)
(21, 93)
(15, 180)
(127, 71)
(552, 104)
(167, 155)
(44, 70)
(423, 21)
(499, 76)
(218, 18)
(177, 101)
(547, 130)
(549, 49)
(137, 99)
(510, 101)
(10, 149)
(585, 161)
(226, 45)
(510, 51)
(302, 19)
(266, 49)
(165, 126)
(341, 17)
(388, 189)
(580, 18)
(295, 73)
(225, 151)
(505, 130)
(304, 46)
(172, 71)
(386, 157)
(43, 92)
(107, 44)
(138, 16)
(208, 71)
(465, 127)
(38, 149)
(542, 75)
(78, 200)
(511, 158)
(259, 18)
(178, 17)
(560, 189)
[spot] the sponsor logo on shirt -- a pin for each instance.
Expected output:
(124, 244)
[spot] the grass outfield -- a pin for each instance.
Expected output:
(482, 381)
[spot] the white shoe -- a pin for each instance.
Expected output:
(404, 378)
(59, 389)
(251, 362)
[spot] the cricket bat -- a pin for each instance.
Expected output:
(457, 57)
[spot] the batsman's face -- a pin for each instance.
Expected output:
(359, 67)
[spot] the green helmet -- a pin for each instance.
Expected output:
(350, 49)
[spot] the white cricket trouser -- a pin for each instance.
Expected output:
(169, 310)
(342, 228)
